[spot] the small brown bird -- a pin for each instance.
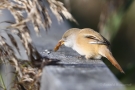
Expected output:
(89, 43)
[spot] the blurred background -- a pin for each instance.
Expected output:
(115, 20)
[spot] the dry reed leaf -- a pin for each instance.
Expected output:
(59, 10)
(38, 15)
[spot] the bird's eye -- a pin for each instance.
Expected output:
(65, 39)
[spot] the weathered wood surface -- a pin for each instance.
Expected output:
(72, 73)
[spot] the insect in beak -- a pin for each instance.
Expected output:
(60, 43)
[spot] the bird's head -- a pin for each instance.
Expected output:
(68, 38)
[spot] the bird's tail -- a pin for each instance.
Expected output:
(104, 51)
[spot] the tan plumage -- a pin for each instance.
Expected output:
(89, 43)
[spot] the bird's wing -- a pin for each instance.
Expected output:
(97, 40)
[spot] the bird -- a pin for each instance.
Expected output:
(88, 43)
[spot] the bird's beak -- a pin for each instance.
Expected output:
(60, 43)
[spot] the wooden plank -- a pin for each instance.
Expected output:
(72, 73)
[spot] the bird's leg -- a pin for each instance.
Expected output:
(88, 57)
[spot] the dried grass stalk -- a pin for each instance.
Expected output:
(15, 41)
